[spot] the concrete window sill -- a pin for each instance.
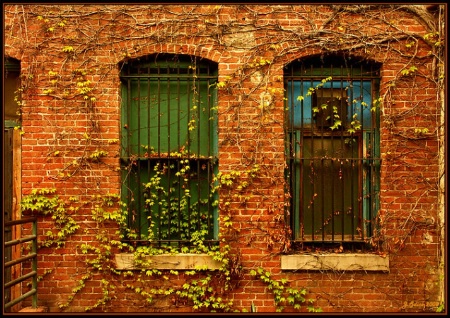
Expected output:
(125, 261)
(342, 262)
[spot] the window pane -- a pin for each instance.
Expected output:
(357, 96)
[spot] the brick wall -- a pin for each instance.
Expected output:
(101, 36)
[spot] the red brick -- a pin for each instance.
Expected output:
(247, 135)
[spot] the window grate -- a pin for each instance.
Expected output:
(169, 151)
(332, 150)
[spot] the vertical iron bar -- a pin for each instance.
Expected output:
(159, 212)
(34, 262)
(138, 196)
(179, 164)
(312, 162)
(149, 218)
(128, 148)
(197, 101)
(189, 99)
(352, 162)
(360, 163)
(322, 165)
(212, 163)
(291, 131)
(342, 160)
(333, 155)
(209, 153)
(169, 172)
(345, 163)
(300, 176)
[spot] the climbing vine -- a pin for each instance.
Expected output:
(283, 294)
(82, 46)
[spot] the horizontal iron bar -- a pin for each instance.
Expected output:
(158, 76)
(19, 299)
(336, 78)
(21, 240)
(318, 158)
(20, 260)
(20, 279)
(20, 221)
(166, 241)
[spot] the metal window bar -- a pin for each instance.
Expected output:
(168, 88)
(30, 256)
(347, 219)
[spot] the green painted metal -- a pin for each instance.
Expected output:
(334, 172)
(30, 256)
(169, 136)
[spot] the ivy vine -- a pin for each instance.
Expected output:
(71, 88)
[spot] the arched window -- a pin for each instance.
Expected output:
(169, 148)
(332, 149)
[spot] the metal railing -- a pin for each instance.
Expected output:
(32, 255)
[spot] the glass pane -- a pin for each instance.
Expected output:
(330, 185)
(357, 96)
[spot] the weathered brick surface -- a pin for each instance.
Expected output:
(103, 35)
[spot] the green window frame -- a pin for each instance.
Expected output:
(332, 150)
(169, 149)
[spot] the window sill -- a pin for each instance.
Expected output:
(343, 262)
(125, 261)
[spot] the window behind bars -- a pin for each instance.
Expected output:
(169, 148)
(332, 149)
